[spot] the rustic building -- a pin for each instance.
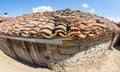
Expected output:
(58, 40)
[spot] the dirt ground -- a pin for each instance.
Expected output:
(108, 62)
(8, 64)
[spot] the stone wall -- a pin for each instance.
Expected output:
(64, 58)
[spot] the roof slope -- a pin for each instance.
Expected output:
(60, 23)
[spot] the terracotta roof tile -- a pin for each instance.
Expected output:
(60, 23)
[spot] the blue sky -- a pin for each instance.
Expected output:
(105, 8)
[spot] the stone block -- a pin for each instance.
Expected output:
(58, 56)
(69, 49)
(51, 47)
(69, 43)
(48, 52)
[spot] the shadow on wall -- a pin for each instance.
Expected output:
(117, 43)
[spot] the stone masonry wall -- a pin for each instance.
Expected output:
(63, 58)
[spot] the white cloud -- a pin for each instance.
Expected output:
(85, 5)
(92, 10)
(114, 19)
(42, 9)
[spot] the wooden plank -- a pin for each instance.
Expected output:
(11, 49)
(21, 51)
(6, 47)
(37, 51)
(34, 53)
(41, 49)
(1, 44)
